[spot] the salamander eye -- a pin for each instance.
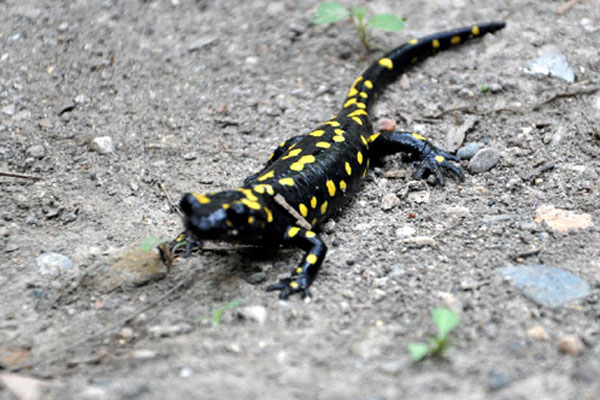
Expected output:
(237, 213)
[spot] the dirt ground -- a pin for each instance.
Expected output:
(195, 95)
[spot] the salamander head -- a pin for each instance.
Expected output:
(234, 215)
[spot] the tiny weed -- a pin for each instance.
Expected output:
(484, 89)
(445, 321)
(332, 11)
(150, 243)
(217, 313)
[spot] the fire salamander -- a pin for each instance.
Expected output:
(309, 177)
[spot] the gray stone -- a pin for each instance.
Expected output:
(253, 313)
(36, 151)
(484, 160)
(553, 64)
(102, 145)
(53, 264)
(547, 286)
(468, 150)
(8, 110)
(389, 201)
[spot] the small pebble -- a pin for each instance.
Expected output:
(53, 264)
(143, 354)
(468, 150)
(420, 241)
(254, 313)
(102, 145)
(405, 231)
(387, 124)
(8, 110)
(36, 151)
(185, 372)
(190, 156)
(389, 201)
(466, 93)
(484, 160)
(494, 87)
(126, 332)
(497, 381)
(536, 332)
(571, 344)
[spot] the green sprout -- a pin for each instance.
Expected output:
(484, 89)
(150, 243)
(445, 321)
(332, 11)
(217, 313)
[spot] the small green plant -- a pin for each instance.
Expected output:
(217, 313)
(332, 11)
(150, 243)
(484, 89)
(445, 320)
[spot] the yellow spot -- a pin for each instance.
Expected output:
(269, 215)
(338, 138)
(313, 202)
(359, 157)
(225, 206)
(313, 222)
(248, 193)
(292, 153)
(297, 166)
(343, 186)
(360, 78)
(293, 231)
(286, 182)
(358, 112)
(455, 40)
(435, 43)
(303, 210)
(317, 133)
(310, 234)
(294, 284)
(414, 60)
(292, 146)
(251, 204)
(202, 199)
(419, 137)
(331, 188)
(311, 259)
(361, 105)
(323, 145)
(350, 102)
(374, 136)
(386, 62)
(364, 141)
(369, 84)
(368, 162)
(250, 220)
(261, 188)
(228, 223)
(363, 95)
(364, 173)
(271, 156)
(282, 144)
(299, 270)
(357, 120)
(324, 207)
(413, 41)
(475, 30)
(352, 92)
(266, 176)
(307, 159)
(348, 168)
(439, 159)
(338, 131)
(335, 124)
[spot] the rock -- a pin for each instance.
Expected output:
(497, 381)
(172, 330)
(36, 151)
(483, 160)
(420, 241)
(536, 332)
(495, 87)
(190, 156)
(135, 268)
(571, 344)
(588, 25)
(387, 124)
(254, 313)
(8, 110)
(468, 150)
(586, 373)
(465, 93)
(102, 145)
(53, 264)
(547, 286)
(389, 201)
(405, 231)
(560, 220)
(553, 64)
(456, 135)
(185, 372)
(22, 387)
(126, 333)
(142, 354)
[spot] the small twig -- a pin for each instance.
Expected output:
(52, 356)
(23, 176)
(300, 221)
(587, 90)
(563, 9)
(164, 190)
(527, 253)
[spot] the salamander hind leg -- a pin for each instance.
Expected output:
(302, 276)
(432, 160)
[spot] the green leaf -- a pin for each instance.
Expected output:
(445, 320)
(359, 12)
(387, 22)
(329, 12)
(418, 351)
(150, 243)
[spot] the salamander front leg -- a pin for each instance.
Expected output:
(431, 159)
(303, 276)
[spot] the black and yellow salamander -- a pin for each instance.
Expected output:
(309, 177)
